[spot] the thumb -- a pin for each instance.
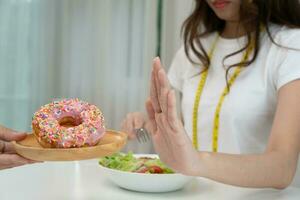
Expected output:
(10, 135)
(138, 122)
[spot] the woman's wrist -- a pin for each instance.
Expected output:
(200, 166)
(197, 165)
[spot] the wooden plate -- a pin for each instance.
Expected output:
(111, 142)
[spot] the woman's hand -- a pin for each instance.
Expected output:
(169, 137)
(132, 122)
(8, 156)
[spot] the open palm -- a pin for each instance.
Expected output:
(169, 137)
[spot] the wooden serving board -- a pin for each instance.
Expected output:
(110, 143)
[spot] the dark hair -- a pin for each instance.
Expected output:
(253, 14)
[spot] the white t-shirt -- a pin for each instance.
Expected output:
(248, 110)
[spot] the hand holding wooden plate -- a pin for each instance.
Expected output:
(112, 142)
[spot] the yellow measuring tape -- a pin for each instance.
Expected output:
(200, 87)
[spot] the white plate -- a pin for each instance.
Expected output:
(146, 182)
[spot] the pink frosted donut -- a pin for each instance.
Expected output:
(68, 123)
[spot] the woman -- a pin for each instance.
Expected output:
(238, 75)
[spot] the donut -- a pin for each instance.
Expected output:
(69, 123)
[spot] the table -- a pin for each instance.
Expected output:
(84, 180)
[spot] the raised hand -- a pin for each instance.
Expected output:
(169, 137)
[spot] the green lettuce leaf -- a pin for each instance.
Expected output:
(129, 163)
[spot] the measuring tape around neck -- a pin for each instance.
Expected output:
(216, 122)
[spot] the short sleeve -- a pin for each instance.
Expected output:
(288, 57)
(177, 69)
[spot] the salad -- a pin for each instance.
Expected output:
(129, 163)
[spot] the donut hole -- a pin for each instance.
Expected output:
(69, 121)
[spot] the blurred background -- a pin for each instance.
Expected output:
(97, 50)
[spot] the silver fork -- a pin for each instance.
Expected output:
(142, 135)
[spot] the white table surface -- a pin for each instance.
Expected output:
(84, 180)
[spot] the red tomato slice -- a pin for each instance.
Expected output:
(155, 170)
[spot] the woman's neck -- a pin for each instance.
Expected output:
(233, 30)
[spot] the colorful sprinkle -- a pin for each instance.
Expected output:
(87, 131)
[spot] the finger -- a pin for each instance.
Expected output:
(165, 128)
(2, 146)
(123, 124)
(138, 122)
(10, 135)
(129, 123)
(151, 115)
(129, 128)
(168, 129)
(131, 135)
(159, 121)
(164, 90)
(163, 78)
(8, 148)
(150, 109)
(125, 129)
(161, 126)
(172, 111)
(13, 160)
(156, 67)
(153, 93)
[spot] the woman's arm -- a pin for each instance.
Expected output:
(273, 168)
(277, 165)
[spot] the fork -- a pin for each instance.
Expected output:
(142, 135)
